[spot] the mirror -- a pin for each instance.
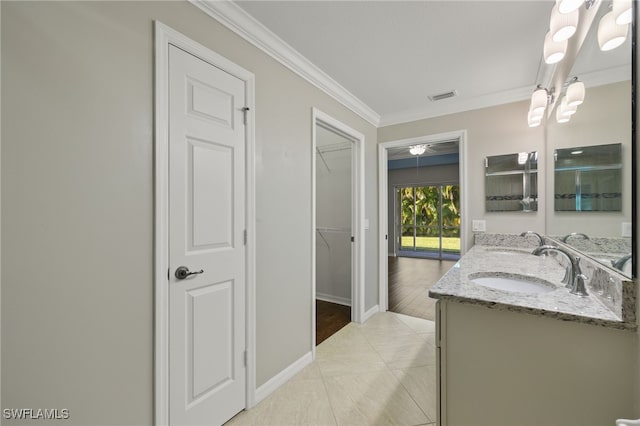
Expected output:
(588, 178)
(602, 232)
(511, 182)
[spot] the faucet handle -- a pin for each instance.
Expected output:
(579, 288)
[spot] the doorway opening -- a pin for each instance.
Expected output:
(337, 242)
(334, 153)
(421, 210)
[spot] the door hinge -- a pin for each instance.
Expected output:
(168, 274)
(245, 358)
(386, 237)
(245, 237)
(244, 111)
(353, 239)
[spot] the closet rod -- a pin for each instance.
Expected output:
(340, 146)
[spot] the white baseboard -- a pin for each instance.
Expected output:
(333, 299)
(371, 312)
(282, 377)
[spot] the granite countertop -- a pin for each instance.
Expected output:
(559, 303)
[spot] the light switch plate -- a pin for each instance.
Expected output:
(626, 229)
(366, 224)
(479, 225)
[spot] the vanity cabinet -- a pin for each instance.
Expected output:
(498, 367)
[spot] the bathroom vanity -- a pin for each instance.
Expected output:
(516, 348)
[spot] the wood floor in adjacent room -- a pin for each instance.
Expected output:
(330, 317)
(409, 282)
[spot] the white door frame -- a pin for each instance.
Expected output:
(383, 201)
(357, 214)
(165, 36)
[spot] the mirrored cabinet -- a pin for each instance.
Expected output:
(511, 182)
(588, 178)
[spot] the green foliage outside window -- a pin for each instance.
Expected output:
(422, 204)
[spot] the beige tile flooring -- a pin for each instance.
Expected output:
(381, 372)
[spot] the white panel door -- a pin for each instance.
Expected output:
(207, 221)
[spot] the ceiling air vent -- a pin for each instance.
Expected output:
(441, 96)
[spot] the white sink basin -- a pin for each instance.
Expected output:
(511, 282)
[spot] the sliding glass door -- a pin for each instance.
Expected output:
(429, 221)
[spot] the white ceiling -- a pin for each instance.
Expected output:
(392, 55)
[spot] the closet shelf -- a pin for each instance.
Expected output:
(335, 230)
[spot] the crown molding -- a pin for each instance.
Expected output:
(607, 76)
(246, 26)
(444, 107)
(232, 16)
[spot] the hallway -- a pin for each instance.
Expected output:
(379, 372)
(409, 282)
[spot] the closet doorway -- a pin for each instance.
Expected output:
(337, 233)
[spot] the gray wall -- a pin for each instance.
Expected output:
(430, 175)
(77, 204)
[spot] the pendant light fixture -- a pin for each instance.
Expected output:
(553, 51)
(534, 119)
(567, 6)
(561, 118)
(563, 25)
(539, 100)
(610, 34)
(565, 108)
(622, 11)
(575, 93)
(536, 115)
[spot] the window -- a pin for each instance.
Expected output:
(429, 220)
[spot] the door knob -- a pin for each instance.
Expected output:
(183, 272)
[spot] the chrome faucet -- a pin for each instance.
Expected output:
(573, 278)
(540, 239)
(619, 264)
(574, 234)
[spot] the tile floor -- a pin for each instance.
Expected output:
(378, 373)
